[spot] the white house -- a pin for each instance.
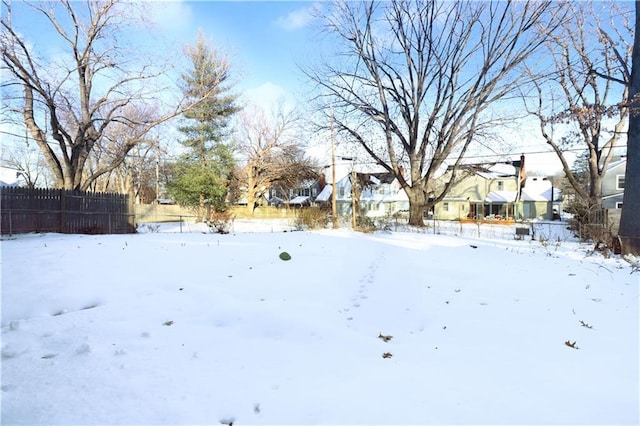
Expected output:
(381, 194)
(9, 176)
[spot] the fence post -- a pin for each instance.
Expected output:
(131, 213)
(10, 224)
(63, 211)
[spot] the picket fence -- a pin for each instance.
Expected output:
(25, 210)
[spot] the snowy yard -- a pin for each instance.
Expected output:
(200, 328)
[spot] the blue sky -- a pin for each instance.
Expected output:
(265, 40)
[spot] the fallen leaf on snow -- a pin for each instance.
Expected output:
(385, 338)
(571, 344)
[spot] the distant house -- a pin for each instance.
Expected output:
(381, 195)
(613, 184)
(482, 190)
(540, 199)
(498, 191)
(9, 176)
(302, 195)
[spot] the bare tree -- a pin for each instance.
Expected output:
(629, 223)
(69, 104)
(135, 174)
(415, 80)
(586, 91)
(29, 163)
(271, 149)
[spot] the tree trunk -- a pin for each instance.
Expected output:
(629, 223)
(251, 191)
(417, 202)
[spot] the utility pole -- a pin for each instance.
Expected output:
(353, 190)
(353, 198)
(334, 208)
(157, 172)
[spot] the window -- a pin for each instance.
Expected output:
(445, 207)
(618, 205)
(620, 182)
(341, 192)
(500, 185)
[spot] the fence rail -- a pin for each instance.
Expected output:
(24, 210)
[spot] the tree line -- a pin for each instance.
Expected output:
(415, 85)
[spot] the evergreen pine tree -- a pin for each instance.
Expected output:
(202, 173)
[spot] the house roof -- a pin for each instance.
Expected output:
(617, 163)
(376, 178)
(325, 194)
(539, 188)
(8, 176)
(531, 195)
(528, 194)
(498, 171)
(299, 199)
(501, 196)
(491, 171)
(617, 194)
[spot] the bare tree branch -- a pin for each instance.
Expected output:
(83, 98)
(591, 69)
(272, 152)
(415, 79)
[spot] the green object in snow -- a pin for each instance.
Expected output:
(285, 256)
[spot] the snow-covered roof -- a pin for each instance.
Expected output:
(325, 194)
(617, 194)
(531, 195)
(501, 196)
(299, 199)
(497, 171)
(8, 176)
(539, 188)
(617, 163)
(399, 195)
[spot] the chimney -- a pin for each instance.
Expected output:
(322, 181)
(523, 173)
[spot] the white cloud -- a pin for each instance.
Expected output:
(295, 20)
(171, 15)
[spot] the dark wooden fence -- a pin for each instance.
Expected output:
(24, 210)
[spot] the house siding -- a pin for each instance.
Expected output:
(471, 197)
(611, 195)
(376, 201)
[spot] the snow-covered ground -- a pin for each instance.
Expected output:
(200, 328)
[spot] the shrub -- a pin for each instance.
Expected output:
(220, 222)
(312, 218)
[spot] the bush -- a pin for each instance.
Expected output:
(312, 218)
(365, 224)
(587, 219)
(589, 223)
(220, 222)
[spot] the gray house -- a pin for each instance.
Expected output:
(613, 184)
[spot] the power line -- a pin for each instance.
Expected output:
(168, 157)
